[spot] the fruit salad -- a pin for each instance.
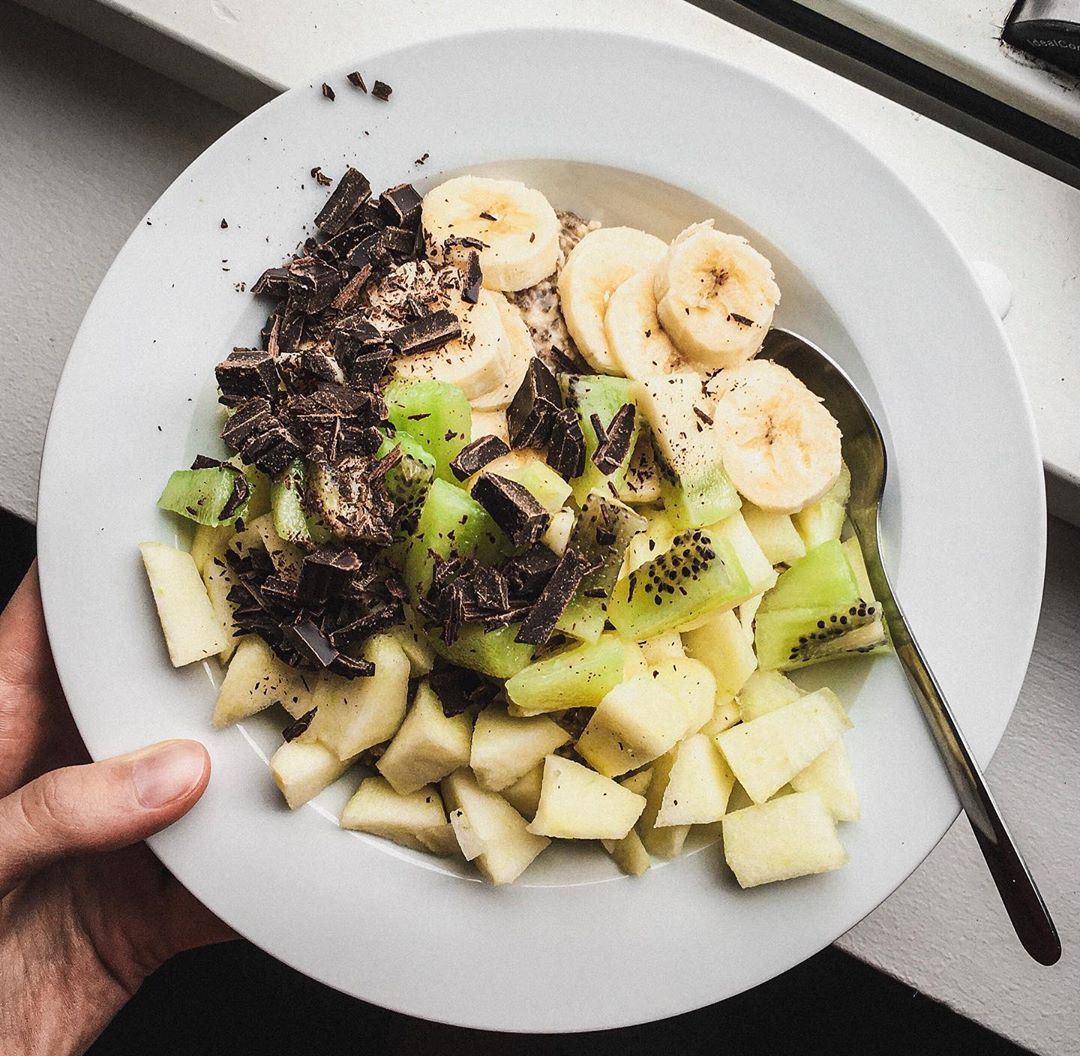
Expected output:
(516, 529)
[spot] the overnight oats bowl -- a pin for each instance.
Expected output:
(487, 549)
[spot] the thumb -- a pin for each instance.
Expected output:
(98, 807)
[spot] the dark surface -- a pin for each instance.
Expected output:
(236, 1000)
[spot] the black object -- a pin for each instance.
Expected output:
(1047, 29)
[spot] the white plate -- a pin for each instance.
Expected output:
(652, 135)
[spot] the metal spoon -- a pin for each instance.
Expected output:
(864, 452)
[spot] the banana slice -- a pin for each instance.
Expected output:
(517, 225)
(476, 361)
(490, 423)
(715, 296)
(781, 447)
(519, 352)
(637, 342)
(597, 265)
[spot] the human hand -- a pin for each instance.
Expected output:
(86, 910)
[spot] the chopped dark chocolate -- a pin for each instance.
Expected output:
(246, 373)
(206, 462)
(431, 331)
(527, 573)
(703, 415)
(356, 80)
(566, 444)
(326, 571)
(399, 241)
(274, 282)
(381, 90)
(531, 412)
(249, 419)
(351, 294)
(366, 369)
(294, 729)
(459, 689)
(352, 191)
(328, 92)
(539, 625)
(370, 250)
(272, 450)
(351, 666)
(612, 450)
(401, 205)
(473, 278)
(237, 497)
(313, 284)
(224, 223)
(513, 508)
(320, 177)
(474, 456)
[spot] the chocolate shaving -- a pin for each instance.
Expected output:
(381, 90)
(539, 625)
(351, 667)
(320, 177)
(326, 572)
(702, 415)
(352, 191)
(237, 497)
(474, 456)
(512, 507)
(613, 448)
(356, 80)
(294, 729)
(224, 224)
(473, 279)
(566, 445)
(742, 320)
(206, 462)
(350, 295)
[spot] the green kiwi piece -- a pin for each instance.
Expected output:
(436, 414)
(201, 495)
(601, 395)
(699, 574)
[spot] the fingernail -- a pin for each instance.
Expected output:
(166, 773)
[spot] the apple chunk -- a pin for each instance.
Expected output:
(698, 785)
(255, 679)
(191, 627)
(377, 808)
(767, 752)
(524, 794)
(301, 769)
(503, 845)
(766, 691)
(794, 835)
(829, 775)
(721, 645)
(428, 745)
(505, 748)
(577, 803)
(356, 713)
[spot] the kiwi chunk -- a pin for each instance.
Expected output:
(578, 677)
(601, 395)
(699, 574)
(436, 414)
(291, 521)
(817, 612)
(206, 496)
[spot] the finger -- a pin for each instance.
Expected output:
(99, 806)
(32, 719)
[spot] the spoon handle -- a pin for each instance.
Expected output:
(1027, 911)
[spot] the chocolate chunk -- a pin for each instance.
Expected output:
(294, 729)
(366, 369)
(399, 241)
(271, 450)
(512, 507)
(432, 331)
(401, 205)
(289, 332)
(237, 497)
(349, 297)
(306, 638)
(224, 224)
(274, 282)
(320, 177)
(381, 90)
(742, 320)
(326, 571)
(273, 320)
(249, 419)
(473, 457)
(328, 92)
(370, 250)
(566, 445)
(473, 279)
(246, 373)
(351, 667)
(313, 284)
(356, 80)
(531, 411)
(206, 462)
(370, 623)
(612, 450)
(527, 573)
(538, 626)
(459, 689)
(352, 191)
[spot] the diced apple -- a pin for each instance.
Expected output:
(767, 752)
(638, 782)
(692, 684)
(578, 677)
(377, 808)
(829, 775)
(726, 713)
(417, 647)
(664, 647)
(469, 843)
(209, 541)
(766, 691)
(721, 645)
(301, 769)
(524, 794)
(288, 558)
(788, 837)
(636, 722)
(824, 520)
(629, 853)
(256, 679)
(698, 786)
(427, 746)
(634, 662)
(755, 564)
(356, 713)
(747, 611)
(503, 833)
(577, 803)
(440, 840)
(775, 534)
(505, 748)
(664, 842)
(218, 579)
(191, 627)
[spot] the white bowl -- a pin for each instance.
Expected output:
(647, 135)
